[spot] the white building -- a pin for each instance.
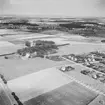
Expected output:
(26, 56)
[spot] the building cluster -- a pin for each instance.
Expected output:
(94, 60)
(95, 75)
(39, 48)
(83, 59)
(66, 68)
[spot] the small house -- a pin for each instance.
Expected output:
(26, 56)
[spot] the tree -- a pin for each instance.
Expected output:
(19, 51)
(28, 44)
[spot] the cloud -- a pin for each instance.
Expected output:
(101, 4)
(56, 7)
(4, 4)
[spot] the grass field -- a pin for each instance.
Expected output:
(69, 94)
(15, 68)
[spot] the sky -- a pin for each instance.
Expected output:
(72, 8)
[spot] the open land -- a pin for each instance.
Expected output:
(39, 80)
(45, 89)
(12, 69)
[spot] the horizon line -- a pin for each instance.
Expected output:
(49, 16)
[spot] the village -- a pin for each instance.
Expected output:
(94, 61)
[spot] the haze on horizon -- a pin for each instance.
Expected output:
(73, 8)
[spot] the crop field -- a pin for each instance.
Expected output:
(35, 84)
(10, 32)
(17, 42)
(69, 94)
(87, 80)
(51, 32)
(12, 68)
(80, 48)
(97, 101)
(9, 48)
(27, 36)
(5, 44)
(78, 38)
(30, 37)
(46, 38)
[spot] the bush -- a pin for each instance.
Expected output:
(85, 72)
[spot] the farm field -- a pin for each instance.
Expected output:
(73, 48)
(5, 44)
(78, 43)
(24, 37)
(57, 40)
(78, 38)
(35, 84)
(38, 79)
(12, 69)
(52, 87)
(87, 80)
(7, 47)
(51, 32)
(7, 50)
(80, 48)
(10, 32)
(98, 100)
(69, 94)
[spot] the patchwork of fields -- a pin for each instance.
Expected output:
(35, 84)
(12, 69)
(38, 81)
(50, 86)
(69, 94)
